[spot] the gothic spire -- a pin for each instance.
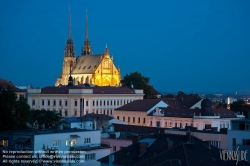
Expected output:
(86, 49)
(69, 48)
(69, 26)
(106, 52)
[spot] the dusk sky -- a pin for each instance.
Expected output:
(190, 45)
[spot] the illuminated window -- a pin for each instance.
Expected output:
(67, 142)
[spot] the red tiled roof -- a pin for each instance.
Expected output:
(188, 113)
(96, 90)
(140, 105)
(183, 101)
(5, 84)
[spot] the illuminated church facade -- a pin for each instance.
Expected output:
(87, 68)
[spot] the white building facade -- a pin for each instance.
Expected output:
(78, 101)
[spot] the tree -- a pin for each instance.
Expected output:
(14, 113)
(180, 93)
(50, 119)
(139, 82)
(240, 106)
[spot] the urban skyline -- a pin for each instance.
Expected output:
(193, 46)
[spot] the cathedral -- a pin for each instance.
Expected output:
(87, 68)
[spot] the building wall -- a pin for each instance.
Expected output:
(216, 139)
(116, 144)
(132, 117)
(93, 103)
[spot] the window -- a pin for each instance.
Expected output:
(107, 112)
(234, 141)
(66, 102)
(118, 117)
(111, 102)
(115, 102)
(108, 102)
(100, 102)
(110, 112)
(66, 113)
(138, 120)
(87, 103)
(124, 118)
(90, 156)
(104, 102)
(57, 143)
(133, 119)
(48, 102)
(60, 102)
(67, 142)
(144, 120)
(103, 111)
(96, 102)
(42, 102)
(246, 141)
(54, 102)
(60, 112)
(89, 67)
(33, 102)
(75, 112)
(86, 140)
(93, 103)
(114, 148)
(128, 119)
(151, 123)
(75, 102)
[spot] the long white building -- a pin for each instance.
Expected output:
(76, 101)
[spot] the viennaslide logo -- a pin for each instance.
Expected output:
(236, 155)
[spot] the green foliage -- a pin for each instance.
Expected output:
(139, 82)
(240, 106)
(14, 113)
(50, 119)
(180, 93)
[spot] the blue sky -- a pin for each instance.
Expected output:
(194, 45)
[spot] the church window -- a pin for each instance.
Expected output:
(79, 67)
(84, 67)
(48, 102)
(89, 67)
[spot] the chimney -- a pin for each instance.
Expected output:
(188, 137)
(142, 147)
(169, 144)
(111, 159)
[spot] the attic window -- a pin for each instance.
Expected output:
(95, 66)
(89, 67)
(84, 67)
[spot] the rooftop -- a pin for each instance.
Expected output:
(181, 153)
(140, 105)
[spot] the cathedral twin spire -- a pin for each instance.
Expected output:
(86, 49)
